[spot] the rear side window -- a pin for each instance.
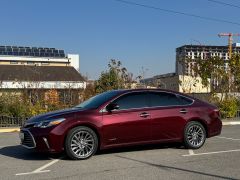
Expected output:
(131, 101)
(185, 101)
(167, 99)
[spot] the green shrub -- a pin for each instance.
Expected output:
(228, 107)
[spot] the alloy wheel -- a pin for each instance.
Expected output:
(195, 135)
(82, 144)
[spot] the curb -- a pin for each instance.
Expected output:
(231, 123)
(9, 130)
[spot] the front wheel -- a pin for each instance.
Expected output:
(194, 135)
(81, 143)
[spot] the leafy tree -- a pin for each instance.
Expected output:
(222, 80)
(116, 77)
(228, 107)
(89, 91)
(234, 73)
(213, 68)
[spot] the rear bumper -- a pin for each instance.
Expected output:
(215, 127)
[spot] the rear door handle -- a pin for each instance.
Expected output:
(144, 114)
(183, 111)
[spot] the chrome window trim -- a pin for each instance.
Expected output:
(104, 108)
(147, 107)
(34, 143)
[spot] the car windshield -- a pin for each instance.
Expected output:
(95, 101)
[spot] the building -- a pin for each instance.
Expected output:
(175, 82)
(40, 77)
(200, 51)
(37, 56)
(41, 70)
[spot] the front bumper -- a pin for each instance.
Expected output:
(27, 139)
(42, 140)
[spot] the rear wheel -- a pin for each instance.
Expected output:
(194, 135)
(81, 143)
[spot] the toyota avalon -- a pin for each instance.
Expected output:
(122, 118)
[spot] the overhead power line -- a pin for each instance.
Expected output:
(177, 12)
(225, 4)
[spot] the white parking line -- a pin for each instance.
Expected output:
(227, 138)
(191, 152)
(41, 169)
(216, 152)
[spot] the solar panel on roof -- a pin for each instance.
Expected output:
(31, 51)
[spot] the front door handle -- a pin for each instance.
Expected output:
(144, 114)
(183, 111)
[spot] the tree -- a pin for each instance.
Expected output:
(234, 65)
(224, 79)
(188, 81)
(89, 91)
(116, 77)
(213, 69)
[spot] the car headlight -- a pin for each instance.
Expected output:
(49, 123)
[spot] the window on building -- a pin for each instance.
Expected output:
(13, 62)
(45, 63)
(30, 63)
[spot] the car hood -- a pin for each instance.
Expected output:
(53, 114)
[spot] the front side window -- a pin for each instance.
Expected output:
(131, 101)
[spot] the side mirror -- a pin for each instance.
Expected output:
(112, 106)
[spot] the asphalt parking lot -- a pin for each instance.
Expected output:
(219, 158)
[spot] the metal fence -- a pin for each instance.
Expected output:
(6, 121)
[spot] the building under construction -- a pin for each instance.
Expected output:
(200, 51)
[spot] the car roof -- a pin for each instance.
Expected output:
(122, 91)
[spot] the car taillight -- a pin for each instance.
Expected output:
(216, 113)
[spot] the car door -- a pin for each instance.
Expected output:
(168, 115)
(130, 123)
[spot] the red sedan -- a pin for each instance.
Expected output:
(123, 118)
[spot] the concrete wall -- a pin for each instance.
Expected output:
(186, 84)
(74, 61)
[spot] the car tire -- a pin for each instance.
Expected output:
(81, 143)
(194, 135)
